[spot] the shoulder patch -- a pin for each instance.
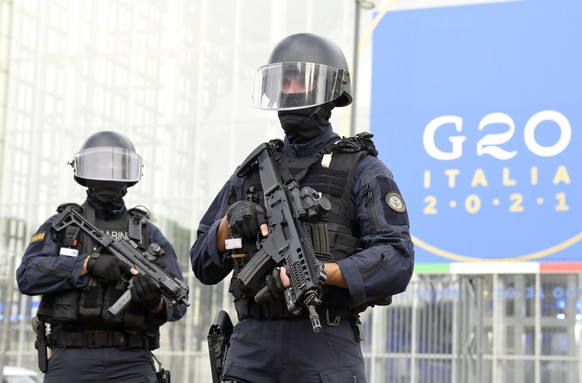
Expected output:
(38, 237)
(395, 202)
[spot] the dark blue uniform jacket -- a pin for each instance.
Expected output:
(385, 236)
(43, 271)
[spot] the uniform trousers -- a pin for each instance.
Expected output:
(99, 365)
(288, 351)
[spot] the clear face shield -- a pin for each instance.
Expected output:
(292, 85)
(108, 164)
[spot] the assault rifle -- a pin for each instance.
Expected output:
(127, 251)
(289, 242)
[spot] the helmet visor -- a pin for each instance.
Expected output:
(108, 164)
(296, 85)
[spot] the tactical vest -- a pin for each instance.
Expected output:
(86, 308)
(330, 172)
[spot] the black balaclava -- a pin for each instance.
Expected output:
(109, 194)
(303, 125)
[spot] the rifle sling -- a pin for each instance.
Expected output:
(89, 243)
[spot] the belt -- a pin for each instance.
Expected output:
(99, 338)
(247, 308)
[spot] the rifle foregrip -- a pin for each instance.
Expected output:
(121, 303)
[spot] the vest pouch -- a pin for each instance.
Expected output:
(344, 246)
(45, 308)
(90, 301)
(111, 294)
(320, 240)
(66, 306)
(134, 318)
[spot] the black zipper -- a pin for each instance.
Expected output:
(370, 207)
(372, 265)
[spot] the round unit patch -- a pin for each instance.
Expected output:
(395, 202)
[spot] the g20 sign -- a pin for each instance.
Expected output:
(476, 111)
(496, 145)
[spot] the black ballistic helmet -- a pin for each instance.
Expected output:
(321, 64)
(107, 156)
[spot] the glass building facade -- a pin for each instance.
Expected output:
(176, 77)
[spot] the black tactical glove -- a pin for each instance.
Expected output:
(274, 288)
(145, 292)
(245, 217)
(108, 268)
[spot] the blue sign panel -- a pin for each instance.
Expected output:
(478, 112)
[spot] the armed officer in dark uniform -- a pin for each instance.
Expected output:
(363, 243)
(79, 279)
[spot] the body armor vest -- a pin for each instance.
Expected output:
(337, 235)
(86, 308)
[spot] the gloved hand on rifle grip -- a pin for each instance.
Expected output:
(275, 286)
(145, 292)
(108, 268)
(245, 218)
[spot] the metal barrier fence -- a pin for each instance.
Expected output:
(482, 329)
(502, 328)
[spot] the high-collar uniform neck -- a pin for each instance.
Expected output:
(308, 149)
(104, 211)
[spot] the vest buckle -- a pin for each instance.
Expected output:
(336, 321)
